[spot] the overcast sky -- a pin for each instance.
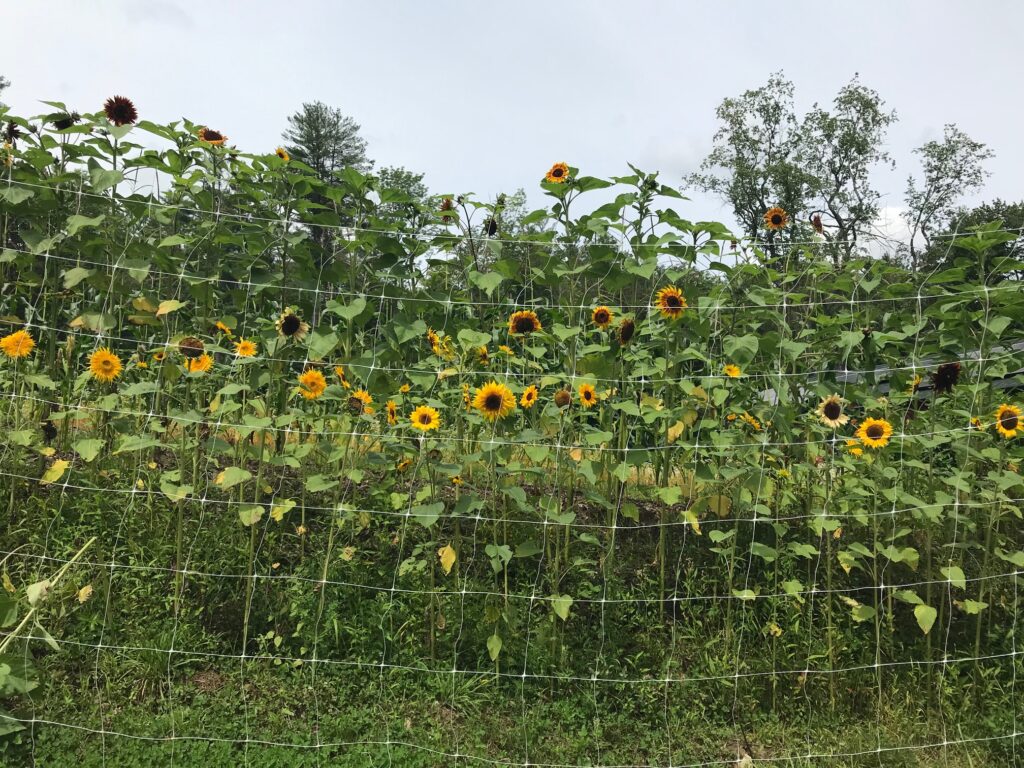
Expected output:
(483, 97)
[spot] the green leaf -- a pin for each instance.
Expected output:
(171, 240)
(973, 606)
(925, 616)
(471, 340)
(88, 449)
(486, 282)
(740, 349)
(317, 483)
(322, 343)
(494, 646)
(137, 443)
(75, 275)
(232, 476)
(427, 514)
(955, 575)
(561, 604)
(347, 311)
(169, 305)
(250, 515)
(670, 495)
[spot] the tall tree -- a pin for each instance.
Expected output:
(1004, 259)
(4, 85)
(326, 140)
(951, 168)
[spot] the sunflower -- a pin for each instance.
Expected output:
(191, 347)
(340, 373)
(830, 412)
(456, 479)
(914, 384)
(627, 328)
(425, 418)
(223, 328)
(280, 152)
(562, 398)
(361, 402)
(559, 174)
(403, 465)
(751, 421)
(775, 218)
(732, 371)
(529, 397)
(404, 389)
(853, 447)
(874, 433)
(214, 138)
(159, 355)
(482, 355)
(506, 349)
(200, 364)
(18, 344)
(245, 348)
(1008, 420)
(291, 326)
(602, 317)
(64, 120)
(104, 365)
(524, 321)
(945, 377)
(670, 302)
(312, 384)
(588, 395)
(120, 111)
(392, 410)
(976, 424)
(494, 401)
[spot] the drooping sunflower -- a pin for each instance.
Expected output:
(830, 411)
(563, 398)
(312, 384)
(670, 302)
(874, 433)
(558, 174)
(588, 395)
(507, 350)
(212, 137)
(191, 347)
(524, 321)
(104, 365)
(18, 344)
(752, 421)
(291, 326)
(853, 447)
(529, 397)
(221, 326)
(627, 329)
(425, 418)
(1008, 422)
(732, 370)
(282, 153)
(483, 357)
(494, 401)
(361, 402)
(392, 410)
(245, 348)
(945, 378)
(64, 120)
(602, 317)
(914, 385)
(340, 373)
(159, 355)
(776, 218)
(120, 111)
(200, 364)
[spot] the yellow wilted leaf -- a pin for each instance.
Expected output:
(348, 553)
(169, 305)
(720, 505)
(447, 555)
(54, 473)
(690, 517)
(48, 451)
(142, 304)
(699, 394)
(576, 454)
(279, 510)
(8, 584)
(215, 404)
(447, 373)
(676, 430)
(85, 593)
(649, 401)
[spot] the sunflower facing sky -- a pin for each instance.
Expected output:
(776, 218)
(602, 317)
(120, 111)
(104, 365)
(425, 418)
(558, 174)
(874, 433)
(523, 322)
(830, 411)
(312, 384)
(1008, 422)
(18, 344)
(670, 302)
(494, 401)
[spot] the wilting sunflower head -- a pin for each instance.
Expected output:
(212, 137)
(18, 344)
(64, 120)
(494, 401)
(245, 348)
(602, 317)
(1008, 422)
(524, 321)
(291, 326)
(588, 395)
(392, 410)
(191, 347)
(670, 302)
(312, 384)
(562, 398)
(282, 153)
(732, 371)
(200, 364)
(816, 223)
(425, 418)
(104, 365)
(945, 377)
(752, 421)
(874, 433)
(627, 329)
(120, 111)
(830, 411)
(159, 355)
(529, 397)
(776, 218)
(558, 174)
(221, 326)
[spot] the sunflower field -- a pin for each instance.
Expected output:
(306, 472)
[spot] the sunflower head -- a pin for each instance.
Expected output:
(670, 302)
(914, 384)
(360, 402)
(874, 433)
(627, 329)
(562, 398)
(830, 411)
(588, 395)
(159, 355)
(64, 120)
(482, 355)
(752, 421)
(494, 401)
(557, 174)
(245, 348)
(456, 480)
(120, 111)
(200, 364)
(104, 365)
(602, 317)
(732, 370)
(221, 326)
(945, 378)
(191, 347)
(1008, 422)
(392, 410)
(339, 371)
(212, 137)
(425, 418)
(853, 448)
(281, 153)
(404, 389)
(291, 326)
(18, 344)
(529, 397)
(523, 322)
(776, 218)
(312, 384)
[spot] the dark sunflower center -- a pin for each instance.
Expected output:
(626, 333)
(1008, 420)
(587, 395)
(875, 431)
(557, 173)
(212, 136)
(776, 219)
(106, 365)
(601, 317)
(492, 402)
(672, 301)
(425, 418)
(290, 325)
(524, 324)
(832, 410)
